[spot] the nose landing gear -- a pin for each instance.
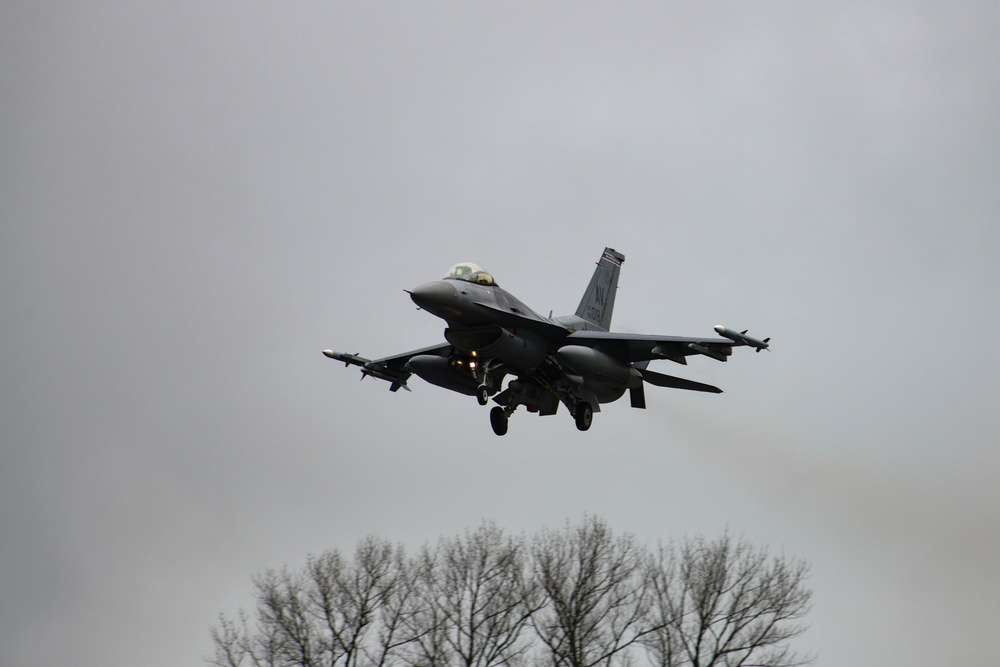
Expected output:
(490, 374)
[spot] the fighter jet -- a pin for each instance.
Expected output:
(572, 360)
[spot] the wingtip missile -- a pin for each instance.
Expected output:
(348, 359)
(741, 338)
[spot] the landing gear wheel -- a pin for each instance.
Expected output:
(498, 420)
(584, 416)
(483, 394)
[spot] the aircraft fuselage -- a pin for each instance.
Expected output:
(466, 304)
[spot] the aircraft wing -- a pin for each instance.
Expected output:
(642, 347)
(391, 369)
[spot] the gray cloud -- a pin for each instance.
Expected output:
(196, 199)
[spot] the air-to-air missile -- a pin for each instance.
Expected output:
(370, 368)
(741, 337)
(348, 359)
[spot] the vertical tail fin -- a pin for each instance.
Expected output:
(598, 301)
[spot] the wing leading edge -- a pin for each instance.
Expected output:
(641, 347)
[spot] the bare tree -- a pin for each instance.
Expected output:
(596, 594)
(424, 621)
(476, 600)
(579, 597)
(323, 616)
(283, 608)
(352, 599)
(485, 596)
(236, 644)
(725, 602)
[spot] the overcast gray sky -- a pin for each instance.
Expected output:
(197, 198)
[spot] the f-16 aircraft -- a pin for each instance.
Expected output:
(573, 360)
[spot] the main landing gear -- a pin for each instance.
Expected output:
(584, 415)
(499, 417)
(498, 420)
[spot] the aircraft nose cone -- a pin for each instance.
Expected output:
(434, 296)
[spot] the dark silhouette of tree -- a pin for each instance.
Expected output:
(579, 597)
(480, 594)
(425, 622)
(596, 593)
(725, 602)
(353, 599)
(336, 613)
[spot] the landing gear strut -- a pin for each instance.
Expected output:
(498, 420)
(584, 415)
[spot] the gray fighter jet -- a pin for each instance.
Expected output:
(574, 360)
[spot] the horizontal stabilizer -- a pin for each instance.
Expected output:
(661, 380)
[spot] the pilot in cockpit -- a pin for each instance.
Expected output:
(471, 273)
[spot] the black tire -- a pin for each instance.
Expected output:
(483, 394)
(584, 416)
(498, 420)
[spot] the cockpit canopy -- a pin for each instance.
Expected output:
(470, 273)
